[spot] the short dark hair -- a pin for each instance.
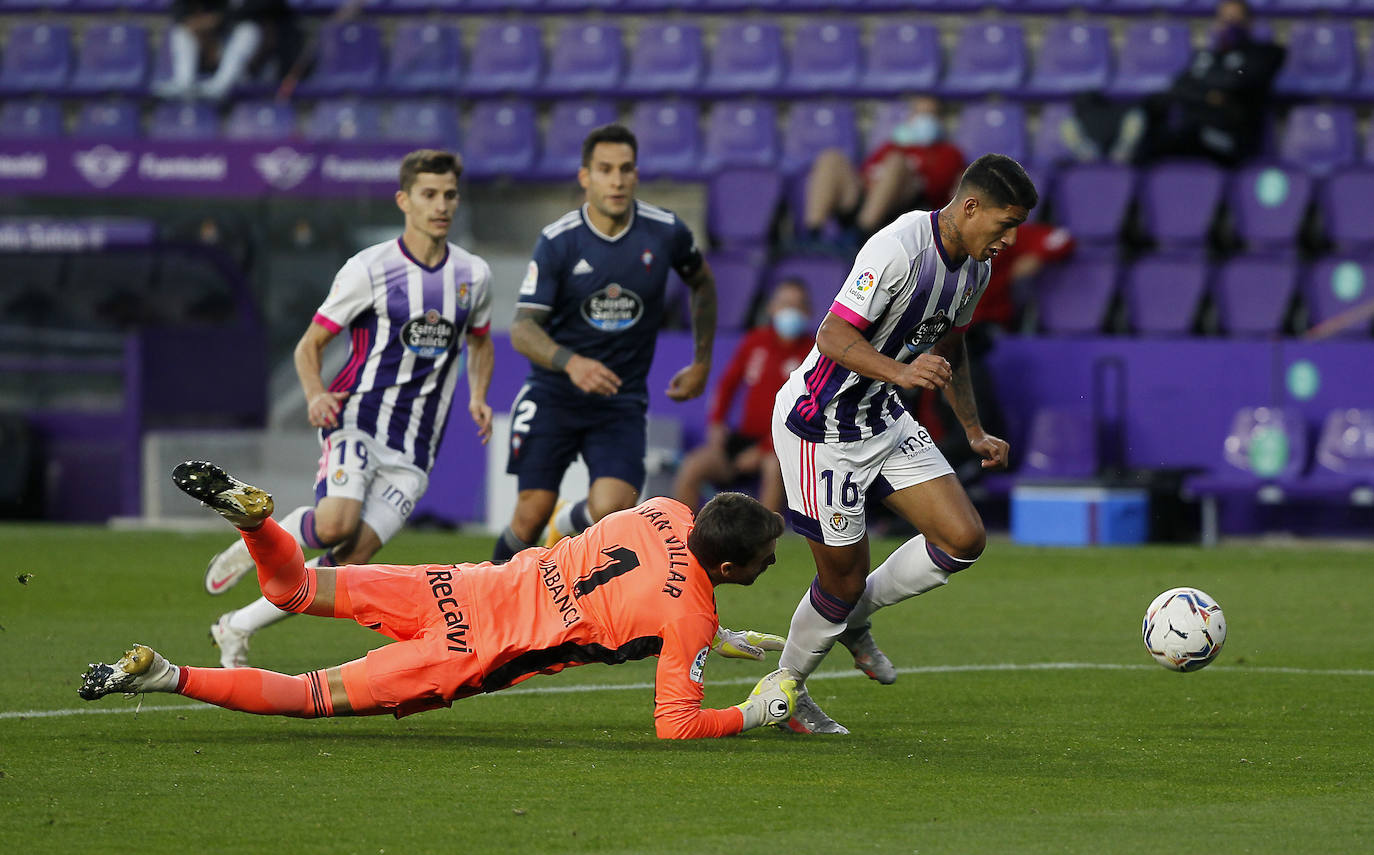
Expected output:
(428, 160)
(1000, 180)
(613, 133)
(732, 527)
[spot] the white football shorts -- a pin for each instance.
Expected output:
(354, 465)
(827, 483)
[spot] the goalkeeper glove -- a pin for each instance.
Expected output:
(745, 645)
(771, 701)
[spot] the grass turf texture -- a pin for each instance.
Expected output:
(1240, 757)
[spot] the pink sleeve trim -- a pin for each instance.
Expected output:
(843, 311)
(327, 323)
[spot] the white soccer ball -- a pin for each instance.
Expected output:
(1184, 629)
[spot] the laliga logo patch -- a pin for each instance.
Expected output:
(838, 522)
(865, 281)
(102, 166)
(531, 280)
(340, 477)
(613, 309)
(699, 665)
(283, 167)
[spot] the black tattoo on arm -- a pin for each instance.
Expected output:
(528, 336)
(703, 302)
(959, 392)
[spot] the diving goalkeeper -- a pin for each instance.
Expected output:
(638, 583)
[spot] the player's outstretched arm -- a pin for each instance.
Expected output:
(959, 394)
(323, 406)
(527, 336)
(745, 644)
(842, 342)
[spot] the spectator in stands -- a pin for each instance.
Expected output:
(915, 167)
(227, 37)
(1013, 272)
(1214, 109)
(761, 363)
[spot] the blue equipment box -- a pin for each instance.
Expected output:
(1079, 516)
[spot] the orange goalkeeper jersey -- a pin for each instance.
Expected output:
(626, 588)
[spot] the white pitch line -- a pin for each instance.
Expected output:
(746, 681)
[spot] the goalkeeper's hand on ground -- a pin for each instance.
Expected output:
(747, 644)
(771, 701)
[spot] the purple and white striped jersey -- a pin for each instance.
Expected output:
(406, 324)
(904, 296)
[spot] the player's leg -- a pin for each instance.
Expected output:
(613, 445)
(705, 464)
(543, 443)
(893, 184)
(833, 186)
(771, 491)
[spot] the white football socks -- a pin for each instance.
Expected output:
(817, 622)
(910, 570)
(262, 612)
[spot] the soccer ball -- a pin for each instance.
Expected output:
(1184, 629)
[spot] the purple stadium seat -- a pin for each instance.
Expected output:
(507, 57)
(344, 120)
(1047, 145)
(748, 59)
(813, 127)
(113, 59)
(107, 120)
(501, 5)
(1364, 87)
(1073, 297)
(569, 124)
(824, 275)
(742, 205)
(350, 60)
(738, 274)
(183, 121)
(735, 5)
(1252, 294)
(1344, 456)
(1318, 138)
(886, 116)
(996, 127)
(37, 58)
(1091, 200)
(1062, 443)
(1344, 205)
(669, 142)
(666, 58)
(1263, 446)
(1178, 201)
(578, 5)
(260, 120)
(30, 120)
(1163, 294)
(1321, 60)
(1267, 205)
(500, 139)
(988, 57)
(425, 57)
(1334, 286)
(586, 59)
(1152, 54)
(902, 58)
(826, 57)
(741, 133)
(1074, 57)
(431, 122)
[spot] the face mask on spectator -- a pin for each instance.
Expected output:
(789, 322)
(920, 129)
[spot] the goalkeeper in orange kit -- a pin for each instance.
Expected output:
(638, 583)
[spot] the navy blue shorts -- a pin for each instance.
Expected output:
(547, 432)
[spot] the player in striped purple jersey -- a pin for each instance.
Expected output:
(841, 433)
(408, 306)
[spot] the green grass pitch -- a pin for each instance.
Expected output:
(982, 745)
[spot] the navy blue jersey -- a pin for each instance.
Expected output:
(605, 294)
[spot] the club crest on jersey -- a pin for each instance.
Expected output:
(340, 477)
(463, 291)
(430, 335)
(931, 330)
(648, 259)
(698, 665)
(839, 521)
(613, 308)
(864, 282)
